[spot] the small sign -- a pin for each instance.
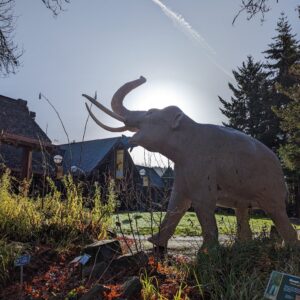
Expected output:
(82, 259)
(22, 260)
(283, 286)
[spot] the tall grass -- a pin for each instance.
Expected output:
(241, 271)
(23, 218)
(59, 219)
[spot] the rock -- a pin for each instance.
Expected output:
(132, 288)
(95, 293)
(105, 250)
(130, 262)
(95, 271)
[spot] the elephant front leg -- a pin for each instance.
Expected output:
(177, 207)
(206, 216)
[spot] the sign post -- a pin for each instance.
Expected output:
(22, 261)
(82, 260)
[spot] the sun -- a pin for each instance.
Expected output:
(160, 95)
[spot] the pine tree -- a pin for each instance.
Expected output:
(290, 123)
(283, 53)
(250, 108)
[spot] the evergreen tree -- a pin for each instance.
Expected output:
(290, 123)
(249, 110)
(282, 54)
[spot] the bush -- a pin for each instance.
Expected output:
(241, 270)
(56, 218)
(8, 253)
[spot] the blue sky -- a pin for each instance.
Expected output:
(102, 44)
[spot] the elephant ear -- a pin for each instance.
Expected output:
(176, 121)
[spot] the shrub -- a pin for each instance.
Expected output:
(241, 270)
(56, 218)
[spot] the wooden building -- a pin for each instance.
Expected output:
(22, 141)
(101, 160)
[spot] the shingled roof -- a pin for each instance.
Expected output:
(88, 154)
(154, 178)
(17, 120)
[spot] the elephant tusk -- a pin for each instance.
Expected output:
(117, 99)
(108, 128)
(103, 108)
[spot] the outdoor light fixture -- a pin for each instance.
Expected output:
(74, 169)
(145, 178)
(57, 159)
(59, 170)
(142, 172)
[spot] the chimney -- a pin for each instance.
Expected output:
(32, 115)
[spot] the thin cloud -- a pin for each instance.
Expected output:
(184, 25)
(179, 21)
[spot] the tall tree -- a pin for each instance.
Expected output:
(283, 52)
(290, 123)
(250, 108)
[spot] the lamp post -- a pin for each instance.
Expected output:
(59, 171)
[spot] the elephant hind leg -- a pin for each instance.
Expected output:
(282, 223)
(243, 228)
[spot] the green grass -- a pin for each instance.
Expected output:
(188, 226)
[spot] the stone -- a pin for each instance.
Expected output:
(95, 271)
(105, 250)
(130, 262)
(95, 293)
(131, 289)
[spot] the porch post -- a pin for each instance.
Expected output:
(26, 163)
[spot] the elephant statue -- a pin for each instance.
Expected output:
(214, 165)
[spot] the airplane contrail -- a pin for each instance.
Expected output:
(184, 25)
(191, 32)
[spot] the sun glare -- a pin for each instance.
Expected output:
(162, 95)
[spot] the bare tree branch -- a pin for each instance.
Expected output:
(55, 5)
(9, 52)
(252, 8)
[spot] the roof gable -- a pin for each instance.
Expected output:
(155, 179)
(15, 118)
(88, 154)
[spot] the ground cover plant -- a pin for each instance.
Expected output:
(140, 223)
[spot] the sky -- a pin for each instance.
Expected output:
(186, 49)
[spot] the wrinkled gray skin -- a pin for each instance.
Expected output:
(214, 165)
